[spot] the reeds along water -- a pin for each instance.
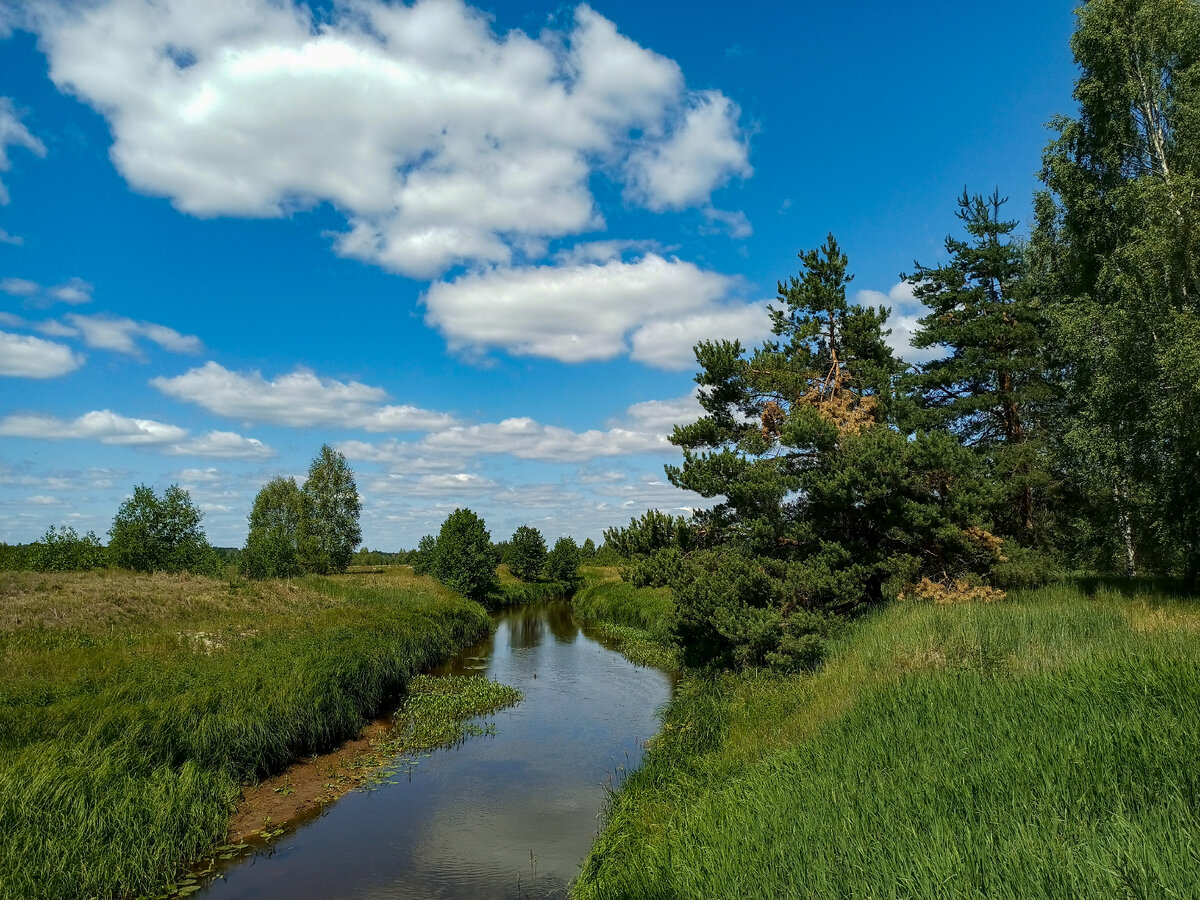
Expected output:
(1044, 747)
(124, 736)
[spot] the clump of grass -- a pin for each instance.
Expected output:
(124, 737)
(436, 709)
(1035, 748)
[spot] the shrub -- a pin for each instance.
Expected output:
(464, 559)
(63, 550)
(738, 611)
(659, 569)
(563, 562)
(526, 555)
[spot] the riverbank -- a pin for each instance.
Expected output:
(133, 707)
(1045, 746)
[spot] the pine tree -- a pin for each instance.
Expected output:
(993, 388)
(824, 505)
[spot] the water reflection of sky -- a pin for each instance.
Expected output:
(499, 817)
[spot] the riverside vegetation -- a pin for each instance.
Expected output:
(133, 706)
(1043, 747)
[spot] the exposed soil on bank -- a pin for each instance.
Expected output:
(307, 785)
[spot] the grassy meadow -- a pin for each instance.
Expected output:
(1046, 746)
(133, 706)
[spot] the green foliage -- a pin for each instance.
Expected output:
(995, 387)
(334, 508)
(662, 567)
(526, 554)
(424, 555)
(824, 504)
(1044, 746)
(1119, 249)
(562, 563)
(587, 553)
(464, 559)
(16, 557)
(653, 531)
(280, 532)
(63, 550)
(153, 534)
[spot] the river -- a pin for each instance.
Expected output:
(509, 815)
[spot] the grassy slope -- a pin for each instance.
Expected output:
(131, 707)
(1048, 746)
(636, 619)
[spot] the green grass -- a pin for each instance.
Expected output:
(133, 707)
(1044, 747)
(636, 620)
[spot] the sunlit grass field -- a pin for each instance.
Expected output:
(133, 706)
(1043, 747)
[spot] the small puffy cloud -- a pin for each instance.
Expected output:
(13, 133)
(120, 335)
(15, 239)
(104, 426)
(19, 287)
(299, 399)
(525, 438)
(906, 310)
(74, 291)
(30, 357)
(668, 344)
(704, 152)
(439, 140)
(222, 445)
(571, 313)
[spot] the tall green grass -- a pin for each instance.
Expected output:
(637, 620)
(122, 746)
(1044, 747)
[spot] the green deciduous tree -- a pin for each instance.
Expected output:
(526, 553)
(562, 563)
(279, 539)
(996, 384)
(1119, 240)
(424, 555)
(463, 558)
(334, 509)
(151, 534)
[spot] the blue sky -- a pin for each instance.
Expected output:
(468, 246)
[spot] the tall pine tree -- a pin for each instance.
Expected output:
(995, 384)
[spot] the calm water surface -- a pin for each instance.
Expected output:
(505, 816)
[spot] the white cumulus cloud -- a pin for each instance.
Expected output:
(104, 426)
(222, 445)
(299, 399)
(702, 153)
(31, 357)
(440, 140)
(590, 311)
